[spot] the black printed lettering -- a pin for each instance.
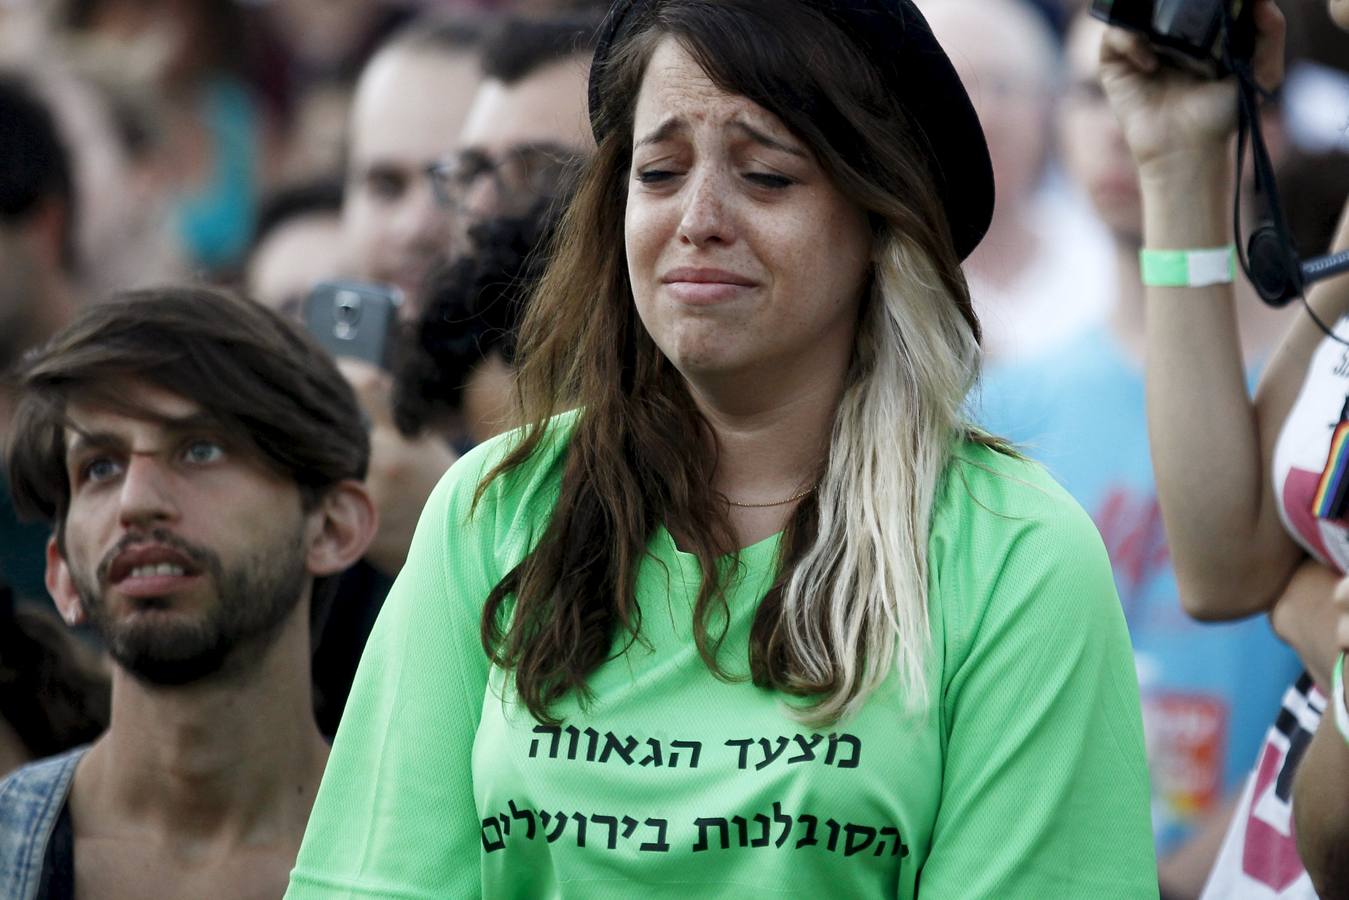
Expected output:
(551, 730)
(854, 743)
(613, 745)
(744, 745)
(525, 814)
(770, 755)
(807, 749)
(492, 844)
(658, 845)
(705, 823)
(851, 843)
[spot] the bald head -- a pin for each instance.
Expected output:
(411, 101)
(1008, 60)
(1008, 36)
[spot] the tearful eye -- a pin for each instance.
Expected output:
(769, 180)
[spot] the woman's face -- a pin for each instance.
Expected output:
(744, 257)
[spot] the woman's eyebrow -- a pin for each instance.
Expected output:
(664, 131)
(766, 140)
(675, 125)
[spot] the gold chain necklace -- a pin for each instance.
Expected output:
(768, 505)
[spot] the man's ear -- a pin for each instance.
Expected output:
(341, 528)
(62, 586)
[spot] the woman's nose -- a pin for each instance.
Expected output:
(707, 217)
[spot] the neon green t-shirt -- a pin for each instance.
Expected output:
(1026, 778)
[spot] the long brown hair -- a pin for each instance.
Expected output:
(641, 454)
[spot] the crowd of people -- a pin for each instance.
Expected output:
(563, 448)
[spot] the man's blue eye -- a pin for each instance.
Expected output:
(204, 452)
(100, 469)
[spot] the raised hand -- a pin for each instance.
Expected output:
(1168, 113)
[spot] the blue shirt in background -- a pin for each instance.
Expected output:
(1208, 689)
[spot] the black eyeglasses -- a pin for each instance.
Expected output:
(521, 175)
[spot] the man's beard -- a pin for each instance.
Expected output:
(253, 600)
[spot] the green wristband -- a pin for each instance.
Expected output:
(1188, 268)
(1337, 700)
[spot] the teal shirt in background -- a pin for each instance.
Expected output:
(215, 223)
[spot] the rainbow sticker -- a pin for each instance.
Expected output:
(1332, 491)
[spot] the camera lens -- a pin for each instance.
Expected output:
(348, 307)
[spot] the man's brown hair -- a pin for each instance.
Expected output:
(265, 381)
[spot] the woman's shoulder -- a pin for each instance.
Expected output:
(986, 478)
(994, 505)
(477, 485)
(1012, 556)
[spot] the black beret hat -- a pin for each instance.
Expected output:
(894, 34)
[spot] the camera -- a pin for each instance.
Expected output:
(1200, 35)
(354, 319)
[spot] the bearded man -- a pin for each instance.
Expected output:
(200, 460)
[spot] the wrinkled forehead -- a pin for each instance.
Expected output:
(676, 97)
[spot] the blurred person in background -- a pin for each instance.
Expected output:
(526, 129)
(200, 460)
(296, 244)
(525, 140)
(113, 121)
(524, 134)
(1239, 476)
(457, 377)
(39, 218)
(53, 690)
(541, 101)
(331, 39)
(411, 101)
(1035, 279)
(1079, 409)
(25, 31)
(1316, 90)
(220, 129)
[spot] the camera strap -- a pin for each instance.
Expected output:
(1269, 259)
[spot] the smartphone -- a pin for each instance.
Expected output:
(354, 319)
